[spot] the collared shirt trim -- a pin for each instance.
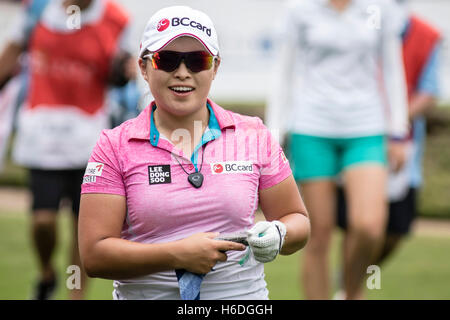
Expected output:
(212, 132)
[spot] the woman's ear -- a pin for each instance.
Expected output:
(216, 66)
(143, 67)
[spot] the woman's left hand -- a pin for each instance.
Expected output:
(283, 205)
(266, 239)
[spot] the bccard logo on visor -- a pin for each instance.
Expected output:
(163, 25)
(191, 23)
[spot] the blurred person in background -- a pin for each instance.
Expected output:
(421, 58)
(339, 96)
(75, 49)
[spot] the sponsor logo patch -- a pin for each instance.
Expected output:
(159, 174)
(94, 169)
(185, 21)
(89, 179)
(217, 168)
(163, 25)
(232, 167)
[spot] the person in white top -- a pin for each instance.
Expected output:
(338, 97)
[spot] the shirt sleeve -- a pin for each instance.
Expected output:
(19, 29)
(279, 98)
(26, 20)
(125, 42)
(103, 173)
(429, 79)
(274, 166)
(393, 70)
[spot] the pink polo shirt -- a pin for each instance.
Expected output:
(241, 158)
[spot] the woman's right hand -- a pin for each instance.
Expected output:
(199, 253)
(397, 155)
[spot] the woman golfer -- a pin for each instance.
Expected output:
(159, 189)
(340, 74)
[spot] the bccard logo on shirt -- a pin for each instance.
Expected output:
(163, 25)
(94, 169)
(231, 167)
(217, 168)
(159, 174)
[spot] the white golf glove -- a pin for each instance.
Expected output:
(266, 239)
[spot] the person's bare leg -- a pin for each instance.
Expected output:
(391, 243)
(44, 240)
(77, 294)
(367, 215)
(320, 199)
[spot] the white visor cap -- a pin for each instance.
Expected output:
(171, 23)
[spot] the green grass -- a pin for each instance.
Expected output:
(419, 270)
(19, 267)
(434, 199)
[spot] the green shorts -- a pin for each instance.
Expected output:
(314, 157)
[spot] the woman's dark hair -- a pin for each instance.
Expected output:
(146, 52)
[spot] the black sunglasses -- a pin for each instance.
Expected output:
(169, 61)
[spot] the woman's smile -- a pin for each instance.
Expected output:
(182, 90)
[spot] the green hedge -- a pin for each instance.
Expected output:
(434, 200)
